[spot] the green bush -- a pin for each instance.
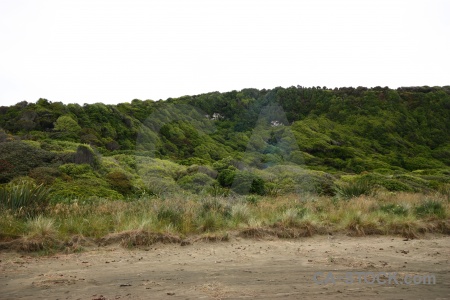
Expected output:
(196, 182)
(18, 159)
(226, 177)
(45, 175)
(386, 181)
(85, 155)
(246, 182)
(76, 170)
(25, 198)
(83, 188)
(120, 182)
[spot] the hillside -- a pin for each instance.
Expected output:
(284, 140)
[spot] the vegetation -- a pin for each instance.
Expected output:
(405, 214)
(241, 160)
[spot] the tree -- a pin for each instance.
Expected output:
(67, 124)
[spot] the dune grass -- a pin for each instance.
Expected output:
(184, 216)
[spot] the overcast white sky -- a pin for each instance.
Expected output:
(116, 51)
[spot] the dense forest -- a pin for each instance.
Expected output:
(283, 140)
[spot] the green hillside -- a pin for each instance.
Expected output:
(266, 142)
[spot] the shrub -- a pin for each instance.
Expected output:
(83, 188)
(85, 155)
(25, 199)
(161, 185)
(18, 158)
(226, 177)
(247, 182)
(120, 182)
(202, 169)
(216, 190)
(272, 189)
(195, 182)
(76, 170)
(45, 175)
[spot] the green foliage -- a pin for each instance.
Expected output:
(356, 188)
(430, 208)
(85, 188)
(25, 198)
(246, 182)
(19, 158)
(226, 177)
(45, 175)
(67, 124)
(77, 170)
(396, 139)
(196, 182)
(85, 155)
(120, 182)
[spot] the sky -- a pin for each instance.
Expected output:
(116, 51)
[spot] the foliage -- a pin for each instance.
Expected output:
(196, 182)
(279, 141)
(348, 190)
(18, 159)
(105, 221)
(430, 208)
(45, 175)
(85, 155)
(67, 124)
(246, 182)
(120, 182)
(25, 198)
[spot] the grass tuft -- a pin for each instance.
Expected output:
(354, 189)
(431, 208)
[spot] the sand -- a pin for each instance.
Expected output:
(268, 268)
